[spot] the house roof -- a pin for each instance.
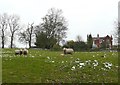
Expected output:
(102, 37)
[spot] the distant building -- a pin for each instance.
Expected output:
(100, 41)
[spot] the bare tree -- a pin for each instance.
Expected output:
(23, 37)
(13, 23)
(30, 32)
(117, 33)
(78, 38)
(38, 29)
(3, 27)
(27, 35)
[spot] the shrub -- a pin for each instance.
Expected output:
(56, 47)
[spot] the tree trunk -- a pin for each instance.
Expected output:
(11, 43)
(2, 41)
(30, 44)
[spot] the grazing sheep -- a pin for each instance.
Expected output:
(25, 51)
(17, 52)
(21, 51)
(68, 50)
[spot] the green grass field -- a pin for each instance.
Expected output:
(43, 66)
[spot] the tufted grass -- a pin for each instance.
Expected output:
(44, 66)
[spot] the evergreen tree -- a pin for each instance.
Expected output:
(42, 41)
(89, 41)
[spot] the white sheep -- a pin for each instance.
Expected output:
(68, 50)
(17, 52)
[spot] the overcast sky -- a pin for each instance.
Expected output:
(83, 16)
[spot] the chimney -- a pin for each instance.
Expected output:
(97, 35)
(111, 37)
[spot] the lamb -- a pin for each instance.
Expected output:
(68, 51)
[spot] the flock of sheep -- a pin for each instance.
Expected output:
(25, 51)
(21, 51)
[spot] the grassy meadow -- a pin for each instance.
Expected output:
(43, 66)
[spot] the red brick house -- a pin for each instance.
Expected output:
(98, 41)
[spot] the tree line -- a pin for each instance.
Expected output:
(8, 23)
(50, 31)
(47, 35)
